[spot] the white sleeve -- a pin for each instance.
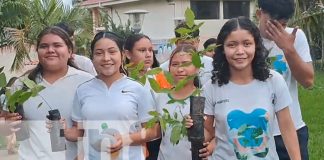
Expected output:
(165, 65)
(90, 68)
(207, 93)
(76, 114)
(302, 46)
(145, 104)
(282, 98)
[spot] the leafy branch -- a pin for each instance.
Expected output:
(158, 82)
(30, 89)
(178, 129)
(186, 33)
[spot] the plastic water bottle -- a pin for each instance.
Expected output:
(57, 138)
(106, 139)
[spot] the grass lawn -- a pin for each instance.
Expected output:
(312, 102)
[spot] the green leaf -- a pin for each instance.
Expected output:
(184, 130)
(154, 85)
(165, 111)
(186, 64)
(12, 108)
(183, 31)
(163, 124)
(212, 47)
(175, 115)
(154, 113)
(133, 74)
(151, 122)
(23, 97)
(190, 17)
(29, 83)
(39, 105)
(169, 77)
(173, 40)
(196, 61)
(14, 97)
(181, 101)
(171, 101)
(36, 90)
(3, 80)
(183, 82)
(8, 93)
(197, 26)
(175, 134)
(142, 80)
(140, 66)
(154, 71)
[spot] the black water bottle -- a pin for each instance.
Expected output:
(57, 138)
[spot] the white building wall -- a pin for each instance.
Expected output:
(159, 22)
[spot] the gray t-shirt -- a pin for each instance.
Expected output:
(280, 65)
(168, 151)
(244, 117)
(123, 107)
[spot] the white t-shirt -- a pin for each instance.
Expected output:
(58, 95)
(168, 151)
(85, 64)
(281, 66)
(123, 107)
(205, 73)
(244, 117)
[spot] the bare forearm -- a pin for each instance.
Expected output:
(291, 142)
(72, 134)
(208, 135)
(302, 71)
(143, 136)
(209, 128)
(4, 128)
(288, 133)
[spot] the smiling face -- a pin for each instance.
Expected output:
(181, 66)
(239, 49)
(53, 53)
(106, 58)
(141, 52)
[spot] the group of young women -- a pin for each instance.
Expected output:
(242, 98)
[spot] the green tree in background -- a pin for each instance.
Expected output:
(309, 16)
(19, 30)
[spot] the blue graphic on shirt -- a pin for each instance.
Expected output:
(249, 133)
(279, 64)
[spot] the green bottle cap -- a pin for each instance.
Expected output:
(104, 126)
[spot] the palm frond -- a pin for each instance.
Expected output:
(17, 41)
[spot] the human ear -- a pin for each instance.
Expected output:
(258, 13)
(127, 54)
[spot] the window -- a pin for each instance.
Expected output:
(205, 9)
(234, 9)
